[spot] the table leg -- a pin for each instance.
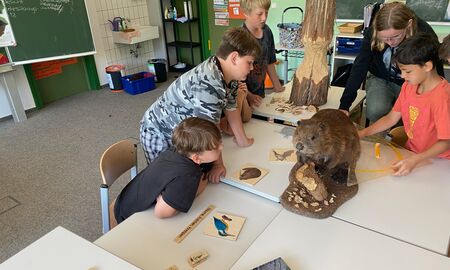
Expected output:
(286, 67)
(15, 103)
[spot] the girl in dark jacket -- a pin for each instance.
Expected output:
(392, 24)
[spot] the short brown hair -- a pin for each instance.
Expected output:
(418, 50)
(238, 39)
(393, 15)
(444, 48)
(249, 5)
(196, 135)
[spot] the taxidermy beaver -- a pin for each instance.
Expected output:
(329, 140)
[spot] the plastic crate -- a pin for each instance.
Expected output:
(349, 42)
(344, 49)
(348, 45)
(138, 83)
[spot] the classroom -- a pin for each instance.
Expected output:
(83, 83)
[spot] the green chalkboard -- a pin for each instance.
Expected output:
(352, 9)
(428, 10)
(48, 29)
(431, 10)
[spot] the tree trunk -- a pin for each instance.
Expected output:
(311, 80)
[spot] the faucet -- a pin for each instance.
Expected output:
(135, 51)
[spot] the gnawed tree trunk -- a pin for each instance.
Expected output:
(311, 80)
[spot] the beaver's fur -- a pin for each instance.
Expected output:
(329, 140)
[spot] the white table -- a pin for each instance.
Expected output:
(311, 244)
(267, 136)
(334, 95)
(148, 242)
(62, 249)
(414, 208)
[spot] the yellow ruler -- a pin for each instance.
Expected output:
(194, 223)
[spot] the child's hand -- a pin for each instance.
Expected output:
(246, 143)
(254, 100)
(405, 166)
(242, 86)
(217, 171)
(278, 89)
(242, 91)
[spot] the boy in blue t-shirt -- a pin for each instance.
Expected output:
(173, 180)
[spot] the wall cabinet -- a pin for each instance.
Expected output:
(182, 34)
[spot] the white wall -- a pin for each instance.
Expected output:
(143, 12)
(159, 45)
(138, 12)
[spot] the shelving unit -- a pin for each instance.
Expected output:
(339, 58)
(286, 53)
(178, 40)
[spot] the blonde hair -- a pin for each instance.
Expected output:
(249, 5)
(196, 135)
(393, 15)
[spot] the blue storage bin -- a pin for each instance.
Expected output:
(348, 45)
(344, 49)
(349, 42)
(138, 83)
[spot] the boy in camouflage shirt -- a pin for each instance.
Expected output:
(205, 92)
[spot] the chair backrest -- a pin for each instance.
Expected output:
(398, 136)
(115, 161)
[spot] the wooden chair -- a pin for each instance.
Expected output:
(115, 161)
(398, 136)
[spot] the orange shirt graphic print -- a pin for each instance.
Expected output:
(413, 114)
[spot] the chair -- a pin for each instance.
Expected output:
(115, 161)
(398, 136)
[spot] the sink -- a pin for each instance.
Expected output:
(141, 33)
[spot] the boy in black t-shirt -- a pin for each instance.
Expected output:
(173, 180)
(256, 12)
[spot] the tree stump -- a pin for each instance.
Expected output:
(311, 80)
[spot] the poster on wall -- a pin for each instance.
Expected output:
(221, 22)
(6, 34)
(235, 10)
(221, 15)
(3, 56)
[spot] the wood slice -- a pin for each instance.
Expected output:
(308, 206)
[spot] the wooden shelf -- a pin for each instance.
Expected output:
(183, 44)
(338, 55)
(175, 21)
(187, 68)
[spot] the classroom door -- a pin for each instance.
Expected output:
(212, 32)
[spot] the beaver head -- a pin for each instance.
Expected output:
(309, 137)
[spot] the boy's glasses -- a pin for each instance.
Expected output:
(393, 38)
